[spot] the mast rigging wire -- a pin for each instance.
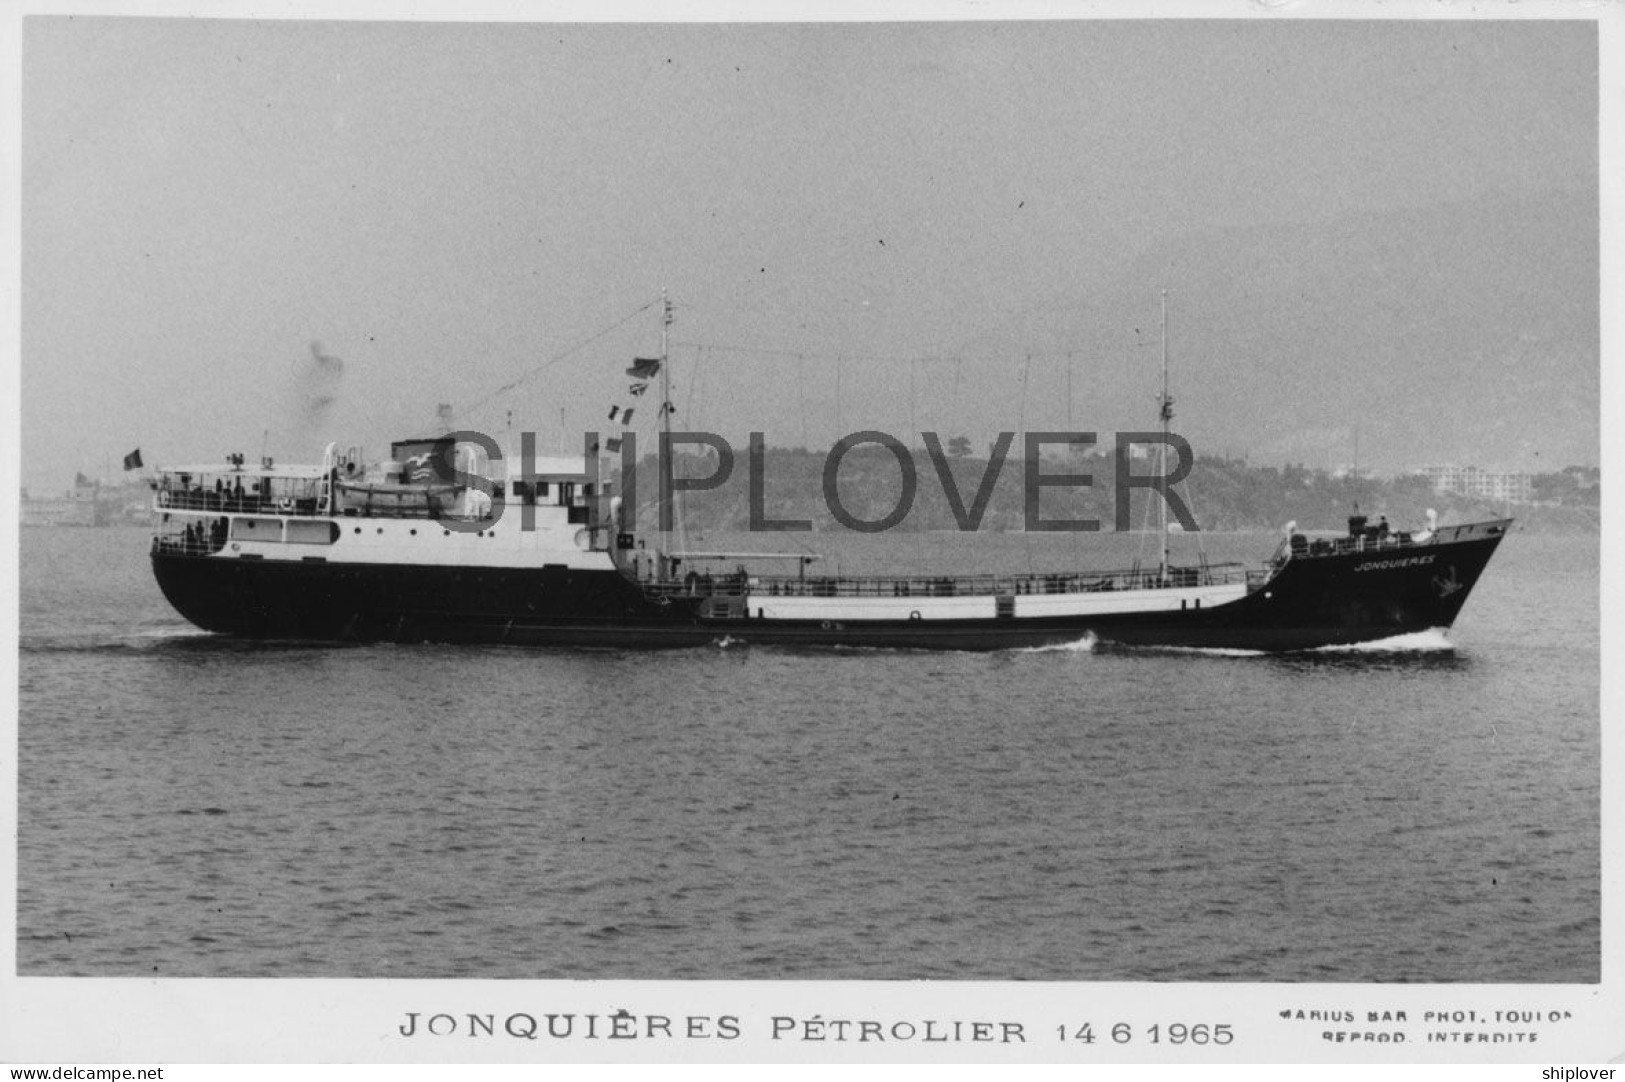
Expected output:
(556, 358)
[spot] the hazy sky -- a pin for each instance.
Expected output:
(1372, 230)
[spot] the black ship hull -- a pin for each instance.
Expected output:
(1341, 599)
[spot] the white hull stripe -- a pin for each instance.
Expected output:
(1027, 606)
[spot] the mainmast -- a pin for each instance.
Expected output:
(1166, 412)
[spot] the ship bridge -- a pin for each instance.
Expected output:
(202, 508)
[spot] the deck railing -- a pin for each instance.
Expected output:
(186, 546)
(1342, 546)
(1299, 547)
(204, 500)
(308, 507)
(736, 585)
(433, 507)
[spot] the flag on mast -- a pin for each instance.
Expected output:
(132, 461)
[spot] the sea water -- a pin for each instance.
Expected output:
(191, 805)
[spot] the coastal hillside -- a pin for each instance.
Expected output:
(1220, 494)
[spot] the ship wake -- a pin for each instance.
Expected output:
(1204, 651)
(166, 634)
(1086, 645)
(1433, 640)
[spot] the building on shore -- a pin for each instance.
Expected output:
(81, 505)
(1502, 486)
(88, 503)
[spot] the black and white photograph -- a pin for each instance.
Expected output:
(995, 533)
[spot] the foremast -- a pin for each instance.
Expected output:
(666, 412)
